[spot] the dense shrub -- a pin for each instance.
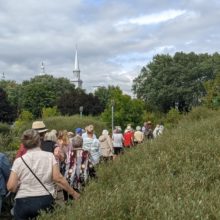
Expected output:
(5, 140)
(50, 112)
(154, 117)
(200, 113)
(173, 116)
(4, 128)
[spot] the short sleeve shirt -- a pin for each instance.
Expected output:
(117, 140)
(41, 163)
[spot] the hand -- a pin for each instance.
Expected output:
(76, 195)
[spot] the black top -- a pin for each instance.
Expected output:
(48, 146)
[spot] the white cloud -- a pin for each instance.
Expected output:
(155, 18)
(109, 54)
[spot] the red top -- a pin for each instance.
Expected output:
(128, 139)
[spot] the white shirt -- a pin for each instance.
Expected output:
(41, 163)
(117, 139)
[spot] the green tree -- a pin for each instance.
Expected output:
(169, 82)
(126, 109)
(105, 93)
(212, 99)
(70, 102)
(43, 92)
(50, 112)
(7, 111)
(12, 90)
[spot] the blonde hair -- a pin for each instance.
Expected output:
(63, 135)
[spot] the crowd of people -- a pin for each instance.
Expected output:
(51, 161)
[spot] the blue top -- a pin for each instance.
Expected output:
(4, 173)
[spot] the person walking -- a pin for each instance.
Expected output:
(128, 137)
(33, 176)
(91, 145)
(117, 139)
(138, 136)
(40, 127)
(106, 147)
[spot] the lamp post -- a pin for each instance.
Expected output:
(112, 103)
(81, 111)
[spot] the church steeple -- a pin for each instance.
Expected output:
(3, 76)
(76, 72)
(42, 69)
(76, 67)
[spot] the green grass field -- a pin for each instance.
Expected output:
(176, 176)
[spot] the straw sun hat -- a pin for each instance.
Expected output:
(39, 126)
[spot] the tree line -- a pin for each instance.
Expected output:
(181, 82)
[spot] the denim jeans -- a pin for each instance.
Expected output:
(29, 207)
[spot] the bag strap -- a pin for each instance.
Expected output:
(36, 177)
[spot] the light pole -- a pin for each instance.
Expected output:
(81, 111)
(112, 103)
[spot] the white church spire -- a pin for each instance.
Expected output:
(42, 69)
(76, 71)
(76, 67)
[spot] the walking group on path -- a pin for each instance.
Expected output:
(51, 161)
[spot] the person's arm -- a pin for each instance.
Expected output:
(12, 183)
(62, 182)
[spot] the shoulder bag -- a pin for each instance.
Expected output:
(37, 178)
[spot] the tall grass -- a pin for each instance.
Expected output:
(71, 122)
(10, 140)
(176, 176)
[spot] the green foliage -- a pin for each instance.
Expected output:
(169, 81)
(5, 140)
(173, 116)
(12, 90)
(154, 117)
(7, 111)
(70, 103)
(42, 92)
(22, 123)
(11, 141)
(212, 99)
(4, 128)
(105, 94)
(25, 116)
(73, 122)
(176, 176)
(50, 112)
(126, 110)
(199, 113)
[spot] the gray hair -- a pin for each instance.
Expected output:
(105, 132)
(30, 139)
(50, 136)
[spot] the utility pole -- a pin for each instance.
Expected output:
(113, 103)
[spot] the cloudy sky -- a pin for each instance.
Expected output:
(115, 39)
